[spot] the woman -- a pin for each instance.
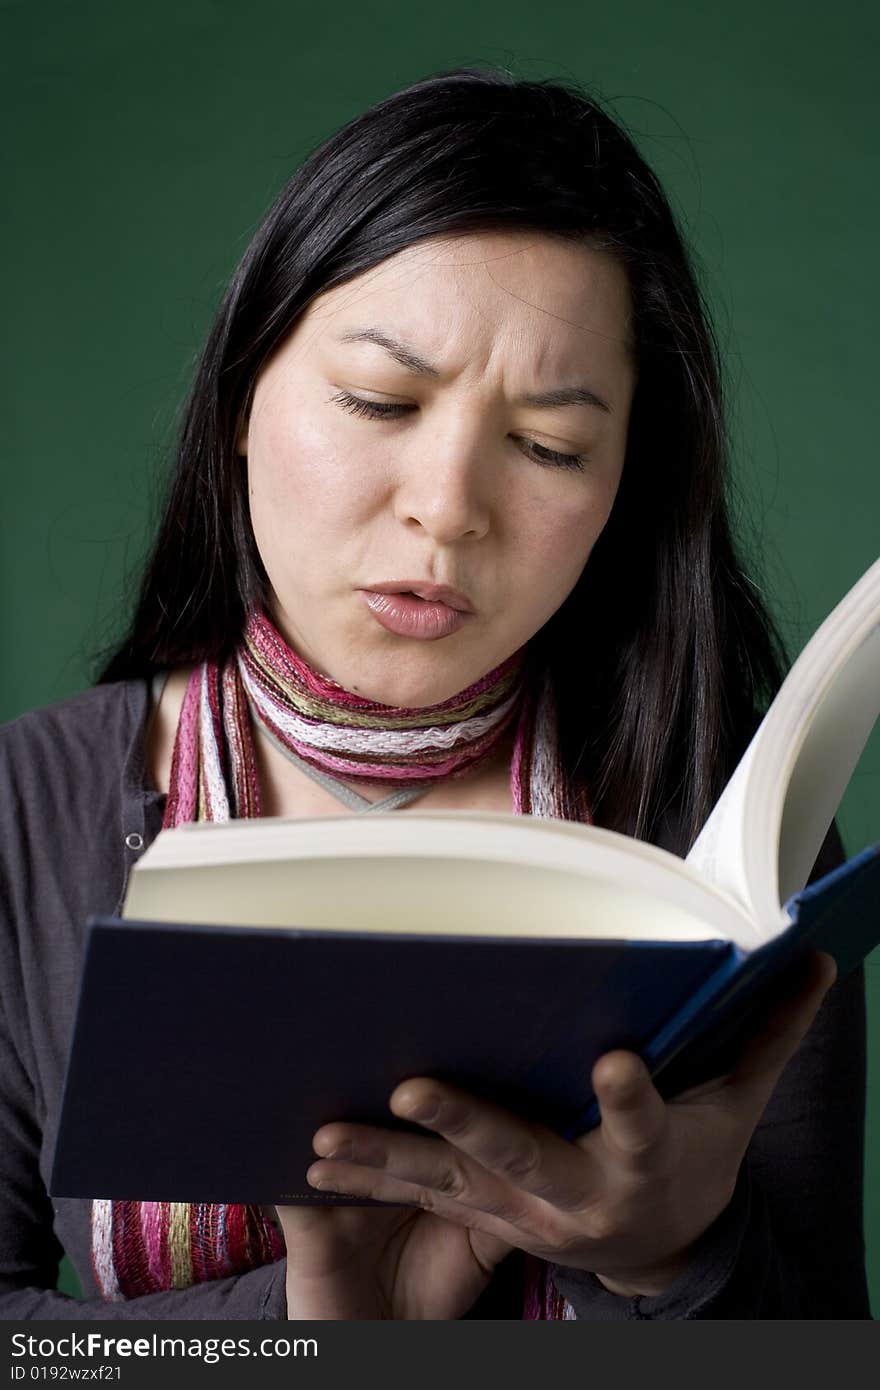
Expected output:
(454, 456)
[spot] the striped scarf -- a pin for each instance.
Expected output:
(146, 1247)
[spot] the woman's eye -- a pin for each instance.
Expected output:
(551, 456)
(375, 410)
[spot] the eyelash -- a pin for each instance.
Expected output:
(373, 410)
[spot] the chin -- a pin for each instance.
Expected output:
(409, 697)
(411, 690)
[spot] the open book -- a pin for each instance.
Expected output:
(270, 976)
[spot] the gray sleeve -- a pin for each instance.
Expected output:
(35, 885)
(790, 1244)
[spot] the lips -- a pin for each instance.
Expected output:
(434, 593)
(410, 615)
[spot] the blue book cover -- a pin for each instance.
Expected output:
(189, 1032)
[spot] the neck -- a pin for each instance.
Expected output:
(349, 737)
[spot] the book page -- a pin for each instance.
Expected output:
(817, 772)
(719, 852)
(763, 836)
(450, 872)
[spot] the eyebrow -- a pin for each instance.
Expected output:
(417, 366)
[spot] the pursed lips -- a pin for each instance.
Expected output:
(432, 593)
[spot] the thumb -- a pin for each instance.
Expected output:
(634, 1116)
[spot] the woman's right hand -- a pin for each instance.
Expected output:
(628, 1201)
(355, 1263)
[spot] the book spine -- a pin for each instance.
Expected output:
(839, 913)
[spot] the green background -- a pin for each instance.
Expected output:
(148, 140)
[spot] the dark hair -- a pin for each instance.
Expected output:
(663, 656)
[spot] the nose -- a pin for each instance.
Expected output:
(445, 488)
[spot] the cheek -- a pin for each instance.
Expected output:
(556, 539)
(299, 471)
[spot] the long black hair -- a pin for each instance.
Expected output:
(663, 657)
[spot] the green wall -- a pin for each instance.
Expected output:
(148, 140)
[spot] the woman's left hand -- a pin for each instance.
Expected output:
(627, 1201)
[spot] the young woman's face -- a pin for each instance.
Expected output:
(464, 482)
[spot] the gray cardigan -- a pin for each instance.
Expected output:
(75, 812)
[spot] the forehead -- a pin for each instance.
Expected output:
(485, 290)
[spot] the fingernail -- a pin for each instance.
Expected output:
(323, 1144)
(424, 1110)
(316, 1180)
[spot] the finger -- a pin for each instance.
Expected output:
(299, 1220)
(302, 1225)
(496, 1237)
(333, 1175)
(433, 1171)
(634, 1115)
(767, 1053)
(321, 1239)
(530, 1157)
